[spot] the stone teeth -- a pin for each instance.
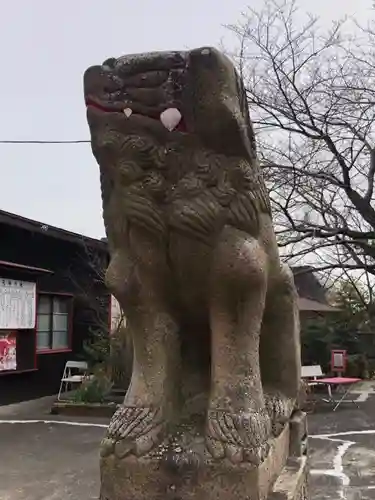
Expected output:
(170, 118)
(128, 112)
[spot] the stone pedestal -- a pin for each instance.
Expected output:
(179, 472)
(292, 482)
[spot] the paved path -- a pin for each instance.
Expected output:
(49, 462)
(48, 457)
(342, 450)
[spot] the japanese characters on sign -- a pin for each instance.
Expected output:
(17, 304)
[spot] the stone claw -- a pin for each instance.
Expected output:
(279, 408)
(215, 447)
(141, 445)
(107, 447)
(239, 437)
(133, 431)
(257, 455)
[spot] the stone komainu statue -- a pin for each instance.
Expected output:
(194, 260)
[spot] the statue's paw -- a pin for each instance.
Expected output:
(279, 408)
(133, 431)
(241, 437)
(107, 447)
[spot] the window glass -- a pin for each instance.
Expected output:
(44, 304)
(60, 322)
(60, 305)
(42, 340)
(44, 323)
(60, 340)
(53, 322)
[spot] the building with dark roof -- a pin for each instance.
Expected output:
(51, 296)
(312, 294)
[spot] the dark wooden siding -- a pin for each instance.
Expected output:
(77, 270)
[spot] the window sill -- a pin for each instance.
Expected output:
(16, 372)
(53, 351)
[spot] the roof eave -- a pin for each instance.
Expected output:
(39, 227)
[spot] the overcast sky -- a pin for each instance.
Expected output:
(46, 45)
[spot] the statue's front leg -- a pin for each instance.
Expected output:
(139, 424)
(238, 425)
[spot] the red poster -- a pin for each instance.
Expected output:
(8, 341)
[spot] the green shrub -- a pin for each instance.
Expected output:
(112, 352)
(93, 390)
(357, 366)
(121, 357)
(96, 350)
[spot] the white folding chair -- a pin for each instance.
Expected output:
(311, 373)
(75, 372)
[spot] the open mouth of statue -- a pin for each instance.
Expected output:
(170, 118)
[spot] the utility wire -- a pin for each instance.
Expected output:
(44, 142)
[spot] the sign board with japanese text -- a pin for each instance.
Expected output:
(17, 304)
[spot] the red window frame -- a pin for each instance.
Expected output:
(341, 368)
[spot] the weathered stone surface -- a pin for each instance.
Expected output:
(190, 473)
(292, 483)
(194, 265)
(298, 434)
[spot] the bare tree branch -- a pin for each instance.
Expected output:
(311, 94)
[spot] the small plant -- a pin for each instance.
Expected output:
(121, 356)
(97, 348)
(93, 390)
